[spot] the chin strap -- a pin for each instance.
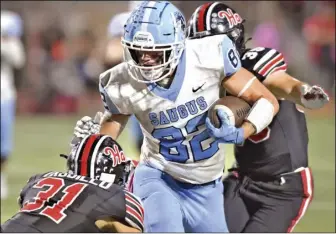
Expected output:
(64, 156)
(242, 48)
(248, 39)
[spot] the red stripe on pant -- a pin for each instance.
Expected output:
(308, 188)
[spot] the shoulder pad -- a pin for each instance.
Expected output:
(29, 184)
(112, 86)
(104, 78)
(36, 177)
(117, 74)
(216, 53)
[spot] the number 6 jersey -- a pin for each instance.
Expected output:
(62, 202)
(173, 119)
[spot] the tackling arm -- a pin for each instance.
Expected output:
(282, 85)
(269, 66)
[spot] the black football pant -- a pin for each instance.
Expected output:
(266, 205)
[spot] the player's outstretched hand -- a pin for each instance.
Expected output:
(226, 133)
(313, 97)
(86, 126)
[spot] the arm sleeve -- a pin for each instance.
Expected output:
(134, 211)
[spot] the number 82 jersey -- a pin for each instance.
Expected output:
(173, 119)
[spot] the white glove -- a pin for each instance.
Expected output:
(313, 97)
(86, 126)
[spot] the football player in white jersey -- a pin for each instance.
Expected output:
(169, 83)
(12, 57)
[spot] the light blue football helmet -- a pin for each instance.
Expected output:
(154, 26)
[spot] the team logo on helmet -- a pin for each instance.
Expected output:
(233, 18)
(117, 156)
(143, 38)
(180, 21)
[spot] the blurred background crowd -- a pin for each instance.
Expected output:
(69, 43)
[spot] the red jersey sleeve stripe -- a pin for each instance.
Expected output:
(278, 64)
(134, 210)
(130, 210)
(272, 62)
(134, 218)
(135, 224)
(275, 69)
(130, 198)
(135, 206)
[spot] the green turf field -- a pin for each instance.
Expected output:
(39, 140)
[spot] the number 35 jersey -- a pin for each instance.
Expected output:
(173, 119)
(62, 202)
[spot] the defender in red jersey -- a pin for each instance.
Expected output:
(89, 197)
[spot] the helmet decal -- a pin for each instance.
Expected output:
(180, 21)
(233, 18)
(100, 157)
(117, 156)
(217, 18)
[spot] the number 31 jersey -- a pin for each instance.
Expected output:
(173, 119)
(62, 202)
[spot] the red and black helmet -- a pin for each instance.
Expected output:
(101, 158)
(216, 18)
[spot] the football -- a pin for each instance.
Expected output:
(236, 108)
